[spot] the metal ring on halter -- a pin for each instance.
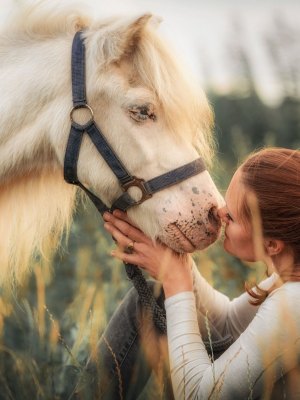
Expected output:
(138, 183)
(129, 249)
(90, 120)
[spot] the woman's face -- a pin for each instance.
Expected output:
(238, 237)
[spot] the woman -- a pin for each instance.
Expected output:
(262, 222)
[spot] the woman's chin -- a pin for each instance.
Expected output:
(225, 244)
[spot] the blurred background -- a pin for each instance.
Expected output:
(246, 54)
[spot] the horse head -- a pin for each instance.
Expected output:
(146, 105)
(154, 120)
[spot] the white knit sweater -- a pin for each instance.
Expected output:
(266, 348)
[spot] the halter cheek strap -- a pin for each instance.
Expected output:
(126, 180)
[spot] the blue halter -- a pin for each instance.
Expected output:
(126, 180)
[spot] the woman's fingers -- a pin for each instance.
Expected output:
(122, 240)
(132, 258)
(124, 216)
(126, 229)
(156, 259)
(120, 215)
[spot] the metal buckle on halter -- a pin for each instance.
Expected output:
(89, 121)
(139, 183)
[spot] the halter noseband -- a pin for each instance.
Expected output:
(126, 180)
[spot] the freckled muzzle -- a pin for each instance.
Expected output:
(189, 218)
(196, 232)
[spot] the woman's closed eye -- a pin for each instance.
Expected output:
(228, 218)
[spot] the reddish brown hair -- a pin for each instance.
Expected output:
(273, 175)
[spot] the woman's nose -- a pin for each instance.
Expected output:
(221, 213)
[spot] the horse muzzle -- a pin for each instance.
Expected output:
(196, 233)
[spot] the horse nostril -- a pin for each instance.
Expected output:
(213, 217)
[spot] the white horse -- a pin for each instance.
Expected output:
(129, 70)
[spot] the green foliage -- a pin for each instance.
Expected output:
(244, 124)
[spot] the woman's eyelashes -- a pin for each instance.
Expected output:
(228, 217)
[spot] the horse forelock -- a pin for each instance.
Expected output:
(154, 65)
(185, 106)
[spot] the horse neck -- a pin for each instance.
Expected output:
(35, 86)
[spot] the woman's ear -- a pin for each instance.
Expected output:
(273, 247)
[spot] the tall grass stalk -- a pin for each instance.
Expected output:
(41, 301)
(82, 325)
(118, 370)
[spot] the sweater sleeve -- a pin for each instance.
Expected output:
(266, 347)
(225, 316)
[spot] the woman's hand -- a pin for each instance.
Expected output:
(162, 263)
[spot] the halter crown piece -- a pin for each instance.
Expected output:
(126, 180)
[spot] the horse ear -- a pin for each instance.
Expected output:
(120, 39)
(132, 35)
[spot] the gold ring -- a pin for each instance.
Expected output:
(129, 249)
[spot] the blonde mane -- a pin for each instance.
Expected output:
(35, 211)
(40, 19)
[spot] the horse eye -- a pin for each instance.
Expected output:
(142, 113)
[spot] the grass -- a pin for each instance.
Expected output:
(52, 325)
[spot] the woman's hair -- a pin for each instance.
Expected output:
(273, 176)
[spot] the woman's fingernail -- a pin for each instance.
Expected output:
(113, 253)
(106, 216)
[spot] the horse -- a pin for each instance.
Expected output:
(150, 110)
